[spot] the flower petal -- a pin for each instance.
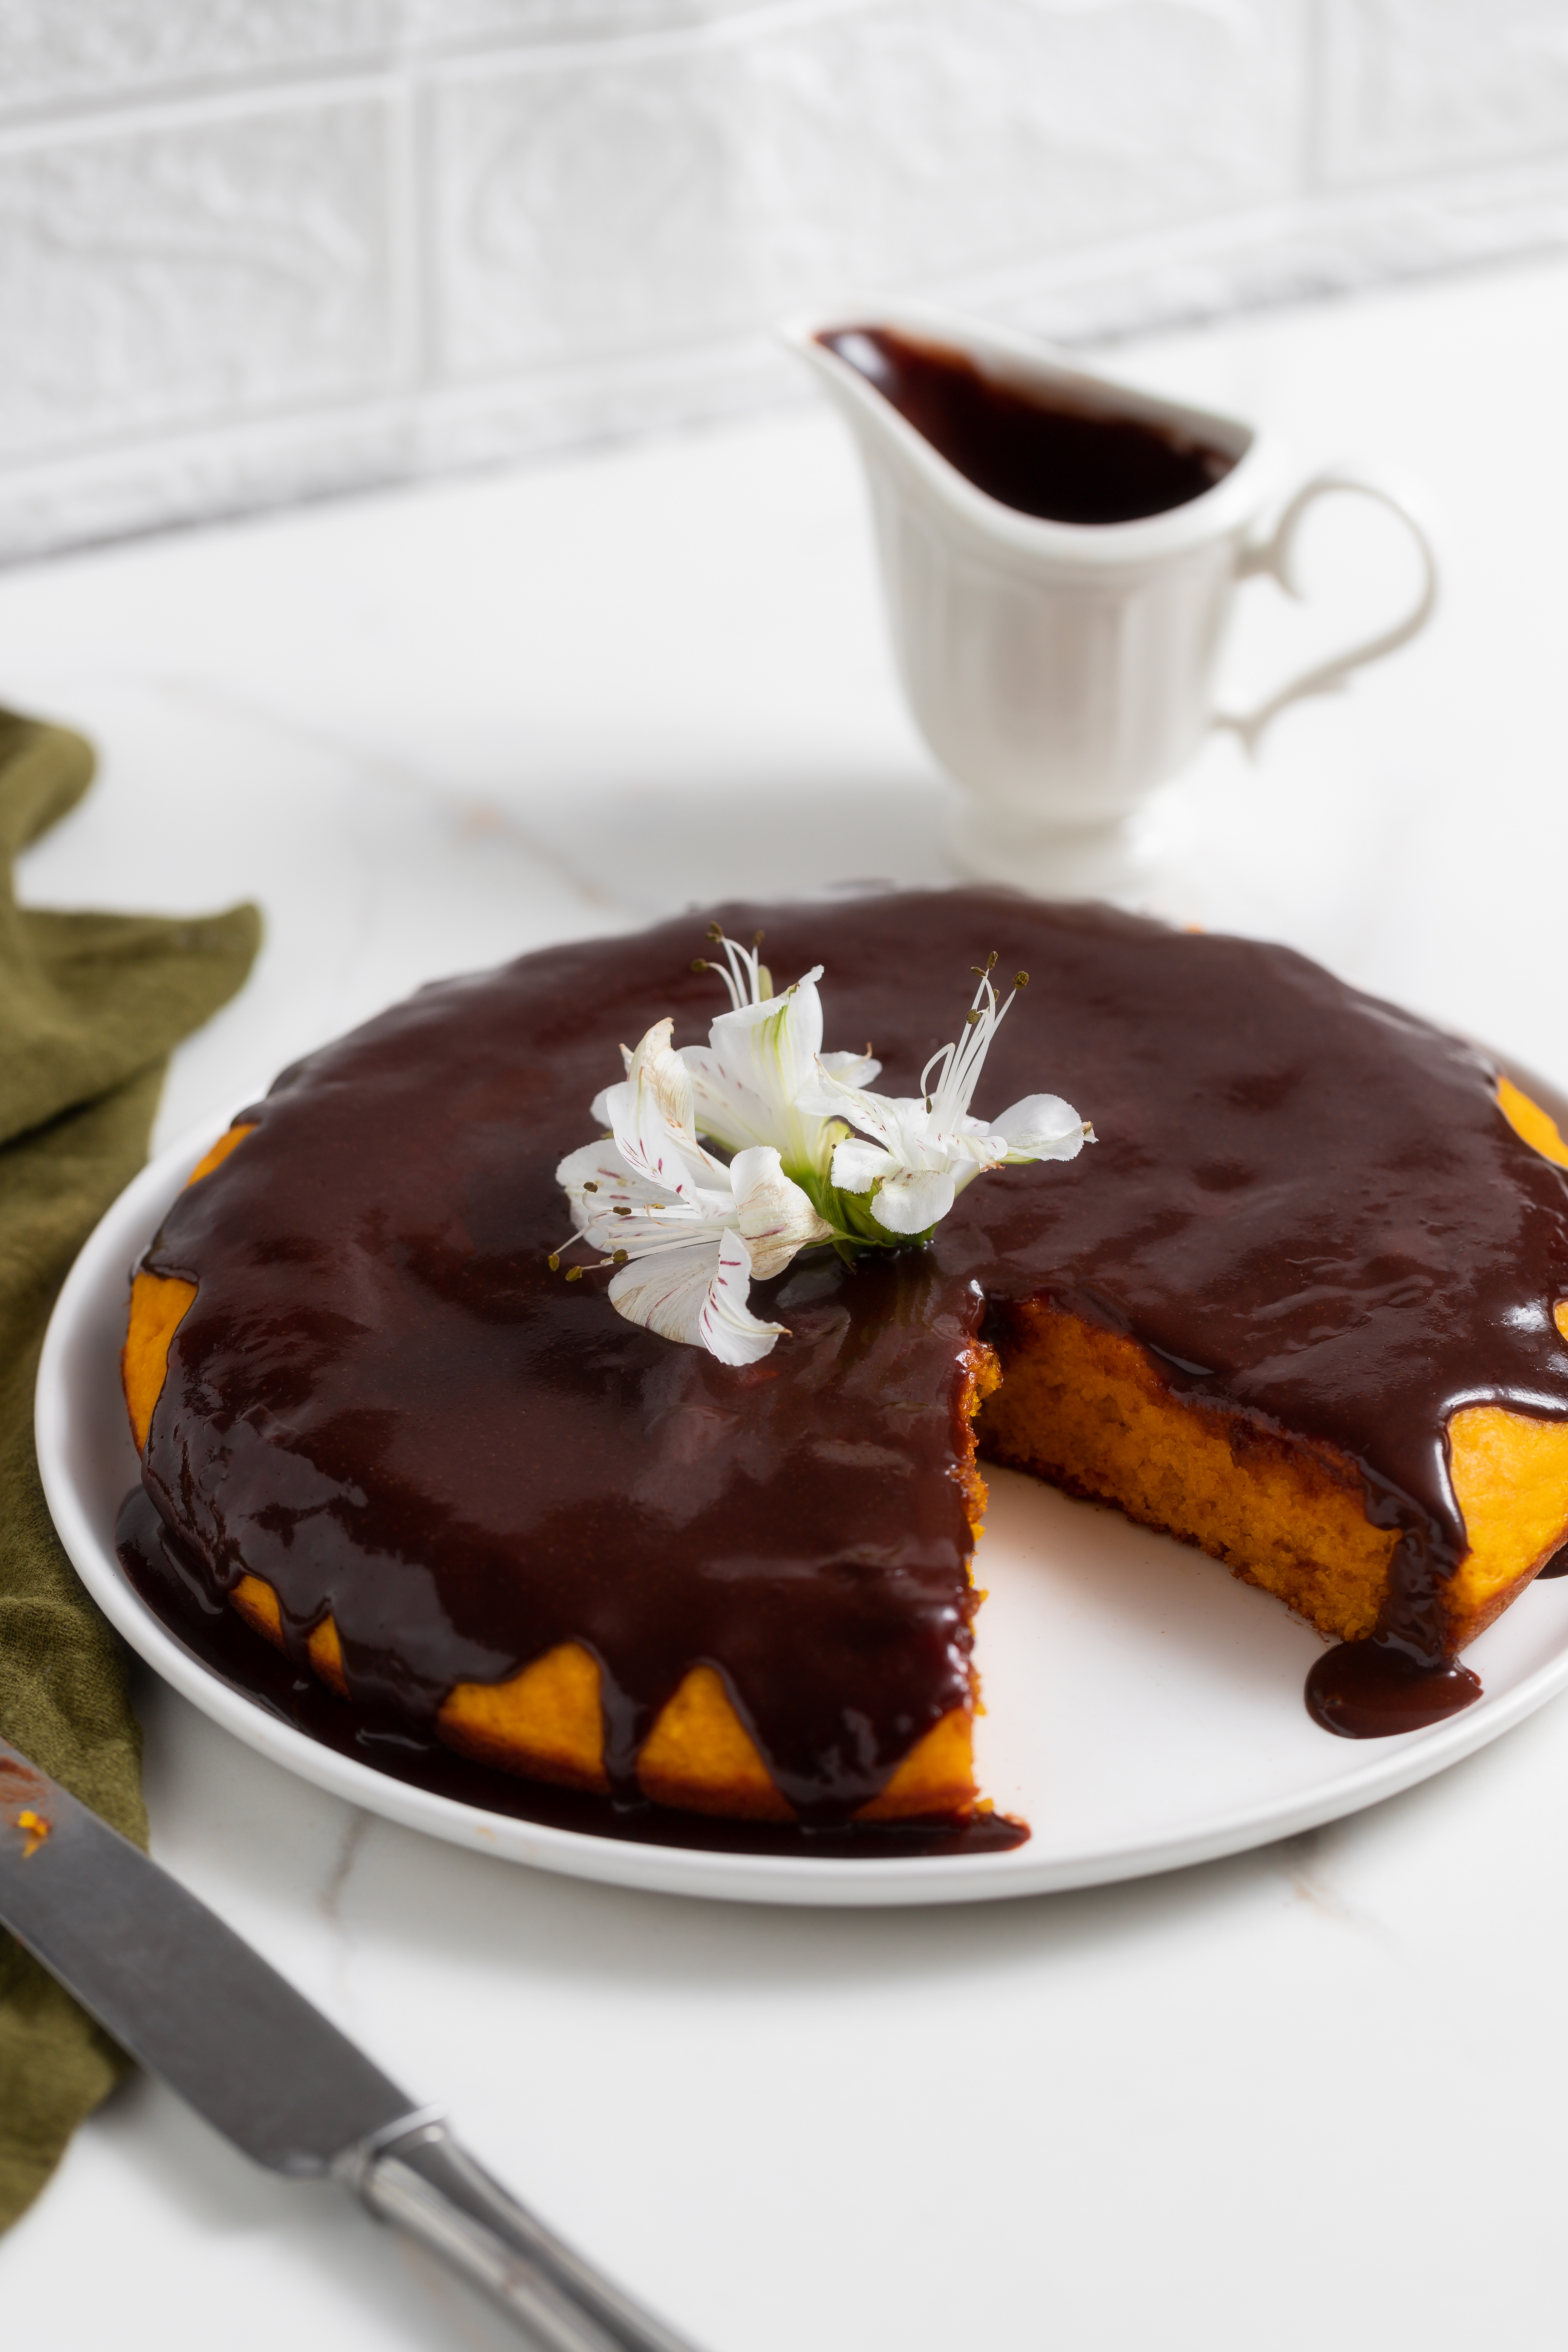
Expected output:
(767, 1054)
(729, 1331)
(908, 1204)
(668, 1293)
(651, 1114)
(888, 1119)
(593, 1163)
(857, 1164)
(851, 1069)
(617, 1207)
(601, 1165)
(657, 1066)
(774, 1214)
(972, 1147)
(647, 1143)
(1042, 1127)
(732, 1113)
(753, 1080)
(599, 1108)
(698, 1297)
(772, 1046)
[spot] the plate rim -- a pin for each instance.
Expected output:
(116, 1240)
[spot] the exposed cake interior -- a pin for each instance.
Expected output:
(1087, 1410)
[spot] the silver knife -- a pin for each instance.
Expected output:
(195, 2006)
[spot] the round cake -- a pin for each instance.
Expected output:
(1300, 1305)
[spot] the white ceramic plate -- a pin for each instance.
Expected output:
(1143, 1709)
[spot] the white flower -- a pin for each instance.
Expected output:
(749, 1080)
(916, 1154)
(684, 1233)
(650, 1113)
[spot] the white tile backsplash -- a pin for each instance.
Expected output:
(900, 146)
(259, 249)
(1419, 84)
(444, 24)
(58, 53)
(191, 270)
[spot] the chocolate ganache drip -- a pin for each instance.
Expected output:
(1304, 1203)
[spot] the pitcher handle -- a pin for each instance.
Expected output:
(1273, 555)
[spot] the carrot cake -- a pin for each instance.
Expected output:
(1300, 1305)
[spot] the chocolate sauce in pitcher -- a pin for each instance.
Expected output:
(1062, 460)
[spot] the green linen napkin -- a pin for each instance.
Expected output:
(90, 1006)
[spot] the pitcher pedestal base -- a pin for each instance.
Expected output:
(1049, 862)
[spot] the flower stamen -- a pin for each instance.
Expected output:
(743, 973)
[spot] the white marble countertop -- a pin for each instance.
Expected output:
(1305, 2093)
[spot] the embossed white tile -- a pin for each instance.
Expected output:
(1431, 85)
(435, 23)
(686, 186)
(201, 268)
(54, 54)
(1334, 242)
(612, 199)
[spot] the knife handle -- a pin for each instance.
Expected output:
(426, 2184)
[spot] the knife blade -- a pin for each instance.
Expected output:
(192, 2002)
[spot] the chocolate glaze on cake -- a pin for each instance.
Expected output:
(1304, 1203)
(179, 1596)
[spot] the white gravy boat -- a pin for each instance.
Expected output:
(1060, 670)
